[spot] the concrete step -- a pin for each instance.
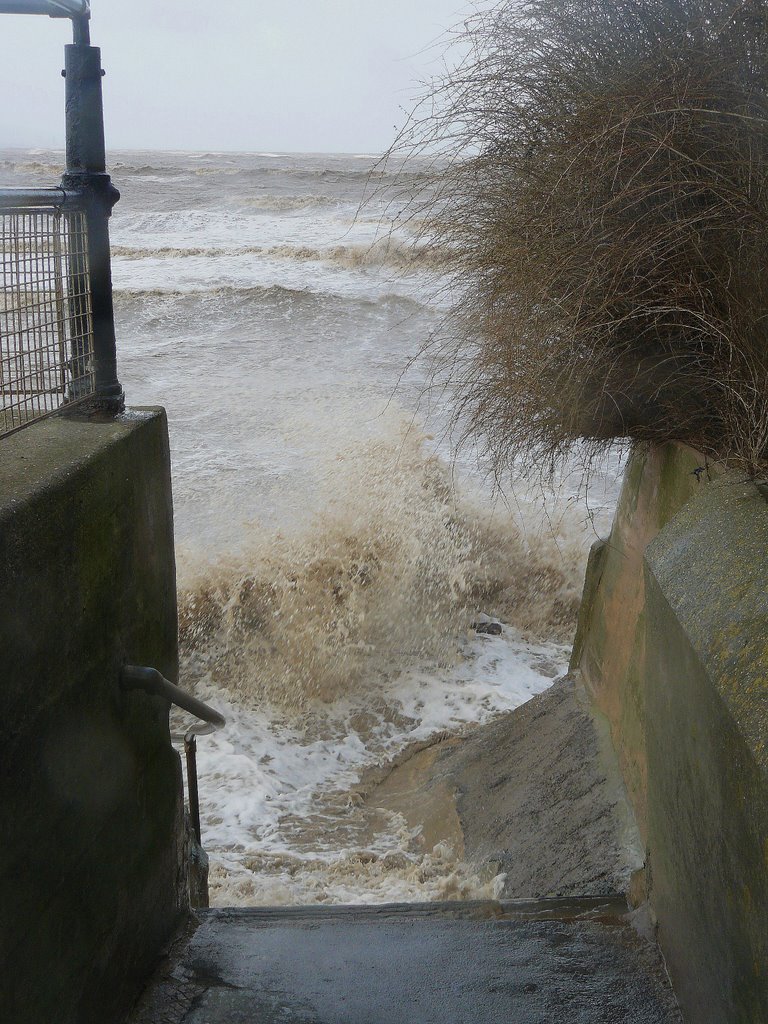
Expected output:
(569, 961)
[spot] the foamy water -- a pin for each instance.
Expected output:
(331, 554)
(291, 824)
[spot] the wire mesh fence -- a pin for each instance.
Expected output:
(46, 322)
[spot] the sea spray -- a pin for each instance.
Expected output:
(388, 575)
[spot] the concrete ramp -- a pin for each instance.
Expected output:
(540, 962)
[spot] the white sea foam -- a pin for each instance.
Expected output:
(281, 812)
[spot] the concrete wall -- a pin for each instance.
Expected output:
(610, 640)
(673, 646)
(91, 864)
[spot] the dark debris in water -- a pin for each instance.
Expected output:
(487, 628)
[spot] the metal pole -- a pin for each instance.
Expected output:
(87, 173)
(190, 749)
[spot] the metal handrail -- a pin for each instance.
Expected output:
(47, 198)
(52, 8)
(135, 677)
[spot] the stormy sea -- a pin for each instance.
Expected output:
(334, 551)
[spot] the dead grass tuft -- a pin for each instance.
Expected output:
(600, 179)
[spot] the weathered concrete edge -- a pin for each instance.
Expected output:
(672, 643)
(707, 690)
(604, 909)
(711, 564)
(609, 647)
(87, 574)
(35, 460)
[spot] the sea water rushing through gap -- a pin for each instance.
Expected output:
(332, 553)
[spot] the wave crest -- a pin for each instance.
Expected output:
(386, 253)
(33, 167)
(387, 576)
(280, 204)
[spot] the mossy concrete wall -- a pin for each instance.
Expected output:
(673, 645)
(91, 862)
(610, 640)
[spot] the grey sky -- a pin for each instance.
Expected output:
(312, 75)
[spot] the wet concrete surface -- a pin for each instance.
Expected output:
(536, 795)
(542, 962)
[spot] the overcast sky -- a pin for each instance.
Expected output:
(293, 75)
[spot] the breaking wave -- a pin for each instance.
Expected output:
(33, 167)
(385, 253)
(395, 876)
(257, 291)
(232, 298)
(145, 170)
(387, 576)
(323, 174)
(280, 204)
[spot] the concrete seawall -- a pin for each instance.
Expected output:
(91, 859)
(673, 648)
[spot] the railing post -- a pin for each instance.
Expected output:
(87, 173)
(190, 750)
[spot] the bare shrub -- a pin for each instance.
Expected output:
(600, 178)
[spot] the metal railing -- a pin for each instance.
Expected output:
(46, 322)
(135, 677)
(53, 8)
(57, 331)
